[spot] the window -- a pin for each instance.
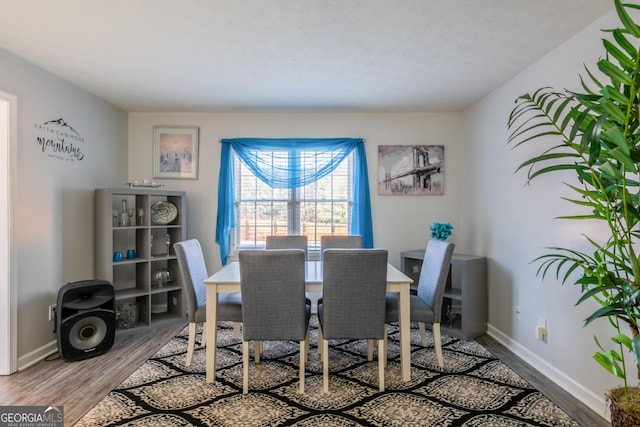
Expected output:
(320, 208)
(319, 184)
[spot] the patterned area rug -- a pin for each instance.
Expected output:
(473, 389)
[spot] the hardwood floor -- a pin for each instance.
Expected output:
(578, 411)
(78, 386)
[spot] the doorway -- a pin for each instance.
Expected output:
(8, 293)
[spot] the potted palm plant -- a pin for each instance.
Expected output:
(595, 134)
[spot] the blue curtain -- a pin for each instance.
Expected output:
(269, 159)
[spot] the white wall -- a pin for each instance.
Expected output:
(399, 222)
(513, 224)
(53, 208)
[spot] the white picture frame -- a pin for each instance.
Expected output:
(175, 152)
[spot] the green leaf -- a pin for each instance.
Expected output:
(615, 74)
(614, 110)
(622, 339)
(547, 157)
(635, 346)
(603, 312)
(609, 364)
(560, 110)
(608, 168)
(548, 169)
(616, 136)
(618, 54)
(624, 43)
(626, 19)
(619, 155)
(615, 95)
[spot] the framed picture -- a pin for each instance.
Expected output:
(412, 170)
(175, 152)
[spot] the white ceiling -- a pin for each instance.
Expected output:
(257, 55)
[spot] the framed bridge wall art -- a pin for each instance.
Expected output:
(411, 170)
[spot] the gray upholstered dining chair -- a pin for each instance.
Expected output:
(193, 272)
(353, 305)
(426, 306)
(287, 242)
(340, 241)
(272, 285)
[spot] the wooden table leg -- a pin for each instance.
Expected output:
(405, 331)
(212, 333)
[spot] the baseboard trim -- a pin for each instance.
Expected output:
(37, 355)
(594, 402)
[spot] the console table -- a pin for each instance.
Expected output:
(465, 294)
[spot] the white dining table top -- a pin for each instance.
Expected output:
(230, 274)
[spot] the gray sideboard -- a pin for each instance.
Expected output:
(466, 292)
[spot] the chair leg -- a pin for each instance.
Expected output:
(236, 330)
(245, 367)
(384, 355)
(203, 337)
(423, 334)
(257, 351)
(303, 358)
(319, 342)
(191, 343)
(325, 365)
(370, 350)
(438, 344)
(306, 345)
(381, 362)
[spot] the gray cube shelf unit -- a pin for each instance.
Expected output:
(135, 280)
(466, 292)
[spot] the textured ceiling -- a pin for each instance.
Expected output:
(275, 55)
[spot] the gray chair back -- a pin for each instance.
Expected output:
(273, 295)
(287, 242)
(354, 287)
(193, 272)
(434, 274)
(336, 242)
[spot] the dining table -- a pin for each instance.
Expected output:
(227, 280)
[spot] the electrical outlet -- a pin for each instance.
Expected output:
(541, 329)
(518, 312)
(52, 312)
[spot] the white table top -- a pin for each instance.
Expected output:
(230, 274)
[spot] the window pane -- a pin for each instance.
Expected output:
(320, 208)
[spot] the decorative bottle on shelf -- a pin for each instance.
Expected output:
(167, 240)
(124, 215)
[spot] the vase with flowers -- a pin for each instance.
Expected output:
(441, 231)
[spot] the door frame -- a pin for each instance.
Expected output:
(8, 270)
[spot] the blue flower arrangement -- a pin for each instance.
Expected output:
(441, 231)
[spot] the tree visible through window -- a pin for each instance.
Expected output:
(321, 208)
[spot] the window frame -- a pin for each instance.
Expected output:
(294, 202)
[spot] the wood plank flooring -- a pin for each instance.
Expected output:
(78, 386)
(578, 411)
